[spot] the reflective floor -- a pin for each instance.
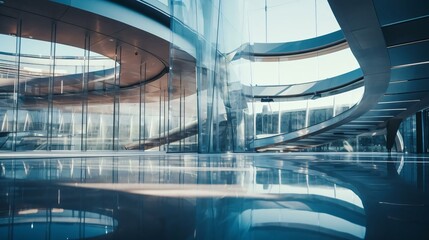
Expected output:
(230, 196)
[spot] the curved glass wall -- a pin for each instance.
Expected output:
(275, 21)
(218, 27)
(58, 97)
(70, 97)
(273, 118)
(228, 119)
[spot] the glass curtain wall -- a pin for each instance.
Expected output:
(407, 130)
(59, 93)
(211, 31)
(9, 77)
(283, 116)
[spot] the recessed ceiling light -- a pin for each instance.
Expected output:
(400, 101)
(388, 110)
(1, 2)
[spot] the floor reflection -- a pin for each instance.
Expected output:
(249, 196)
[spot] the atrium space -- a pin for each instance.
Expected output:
(211, 119)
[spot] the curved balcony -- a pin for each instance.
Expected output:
(268, 51)
(291, 120)
(326, 87)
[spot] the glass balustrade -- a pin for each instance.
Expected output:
(272, 118)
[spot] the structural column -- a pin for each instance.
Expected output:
(391, 130)
(420, 143)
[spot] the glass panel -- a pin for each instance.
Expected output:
(223, 121)
(129, 117)
(153, 124)
(67, 95)
(408, 132)
(293, 116)
(345, 101)
(320, 110)
(184, 71)
(284, 117)
(36, 68)
(9, 80)
(103, 81)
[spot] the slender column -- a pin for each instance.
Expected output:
(180, 114)
(419, 132)
(159, 119)
(334, 107)
(391, 129)
(184, 118)
(420, 148)
(307, 115)
(16, 88)
(140, 106)
(116, 98)
(165, 113)
(85, 76)
(49, 134)
(144, 107)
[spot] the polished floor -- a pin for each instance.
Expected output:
(225, 196)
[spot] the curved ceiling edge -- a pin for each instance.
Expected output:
(335, 85)
(132, 18)
(157, 13)
(323, 44)
(133, 13)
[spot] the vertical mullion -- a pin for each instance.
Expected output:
(165, 113)
(184, 118)
(116, 98)
(140, 106)
(16, 86)
(159, 119)
(85, 76)
(419, 132)
(51, 87)
(144, 107)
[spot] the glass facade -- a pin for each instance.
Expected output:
(69, 88)
(228, 119)
(215, 29)
(179, 119)
(288, 116)
(60, 93)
